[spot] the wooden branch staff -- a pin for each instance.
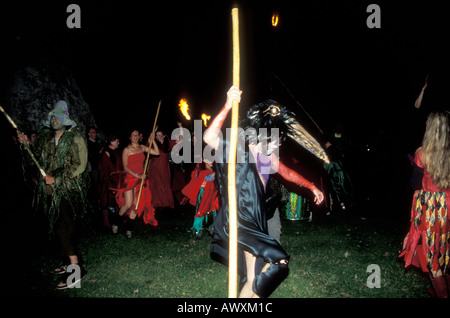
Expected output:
(26, 145)
(148, 156)
(232, 204)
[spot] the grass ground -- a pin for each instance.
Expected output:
(329, 259)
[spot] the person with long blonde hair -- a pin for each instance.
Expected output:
(436, 149)
(426, 246)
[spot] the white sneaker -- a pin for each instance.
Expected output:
(128, 234)
(115, 229)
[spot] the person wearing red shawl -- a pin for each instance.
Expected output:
(202, 193)
(426, 246)
(109, 168)
(133, 158)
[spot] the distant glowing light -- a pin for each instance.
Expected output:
(205, 119)
(275, 19)
(184, 107)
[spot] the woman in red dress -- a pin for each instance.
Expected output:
(159, 171)
(426, 247)
(133, 159)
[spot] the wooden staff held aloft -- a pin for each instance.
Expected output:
(148, 156)
(232, 203)
(26, 145)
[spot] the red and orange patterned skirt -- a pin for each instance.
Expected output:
(426, 246)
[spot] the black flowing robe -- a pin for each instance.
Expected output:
(253, 235)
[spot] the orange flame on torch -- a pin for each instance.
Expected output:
(184, 107)
(275, 19)
(205, 119)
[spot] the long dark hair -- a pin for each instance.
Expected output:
(165, 145)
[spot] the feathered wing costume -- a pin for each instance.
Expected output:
(253, 234)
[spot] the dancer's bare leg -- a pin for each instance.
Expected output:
(247, 289)
(129, 198)
(132, 214)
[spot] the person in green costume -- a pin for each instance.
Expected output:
(61, 150)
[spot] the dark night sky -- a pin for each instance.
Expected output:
(128, 56)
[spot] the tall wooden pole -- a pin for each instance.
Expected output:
(232, 204)
(27, 147)
(148, 156)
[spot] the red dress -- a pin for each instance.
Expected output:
(426, 246)
(129, 182)
(160, 180)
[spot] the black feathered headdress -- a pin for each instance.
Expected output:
(269, 114)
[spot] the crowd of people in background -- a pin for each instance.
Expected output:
(121, 183)
(172, 185)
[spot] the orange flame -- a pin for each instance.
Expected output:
(184, 107)
(275, 19)
(205, 119)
